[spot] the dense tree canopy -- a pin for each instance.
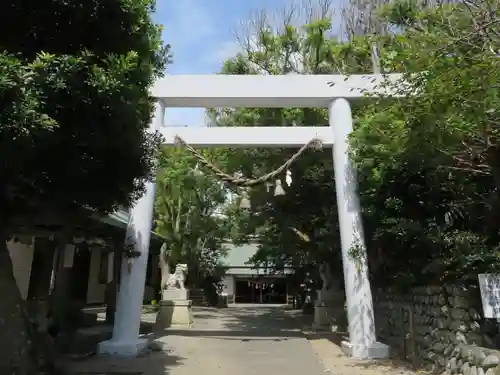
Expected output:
(309, 205)
(428, 164)
(74, 113)
(75, 106)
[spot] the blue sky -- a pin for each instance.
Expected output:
(201, 33)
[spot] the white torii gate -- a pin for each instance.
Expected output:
(260, 91)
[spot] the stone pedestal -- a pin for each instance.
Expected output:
(329, 314)
(175, 309)
(322, 321)
(174, 294)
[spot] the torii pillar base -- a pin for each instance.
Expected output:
(377, 350)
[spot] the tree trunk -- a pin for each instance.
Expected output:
(112, 287)
(15, 343)
(164, 267)
(155, 274)
(62, 306)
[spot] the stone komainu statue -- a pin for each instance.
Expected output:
(326, 276)
(177, 280)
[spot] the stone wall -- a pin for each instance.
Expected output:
(438, 328)
(473, 360)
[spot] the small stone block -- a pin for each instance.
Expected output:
(122, 349)
(375, 351)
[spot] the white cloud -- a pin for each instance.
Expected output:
(226, 51)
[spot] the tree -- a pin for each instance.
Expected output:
(300, 41)
(456, 57)
(427, 165)
(189, 214)
(75, 106)
(361, 18)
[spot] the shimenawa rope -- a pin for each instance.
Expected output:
(314, 144)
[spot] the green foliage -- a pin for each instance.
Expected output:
(74, 114)
(188, 211)
(309, 205)
(428, 164)
(75, 105)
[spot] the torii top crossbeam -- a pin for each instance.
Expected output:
(266, 91)
(261, 91)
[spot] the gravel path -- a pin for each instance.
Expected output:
(240, 340)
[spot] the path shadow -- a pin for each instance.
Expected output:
(83, 359)
(334, 337)
(241, 323)
(306, 322)
(150, 363)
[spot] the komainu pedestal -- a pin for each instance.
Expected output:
(329, 313)
(175, 310)
(175, 307)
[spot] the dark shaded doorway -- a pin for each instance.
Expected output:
(243, 292)
(41, 269)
